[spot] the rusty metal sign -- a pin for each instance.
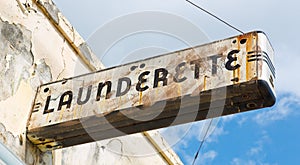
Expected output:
(216, 79)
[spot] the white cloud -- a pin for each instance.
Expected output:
(228, 118)
(257, 149)
(206, 157)
(237, 161)
(242, 120)
(287, 65)
(188, 158)
(96, 13)
(266, 16)
(255, 154)
(178, 134)
(203, 159)
(182, 135)
(281, 111)
(214, 133)
(210, 155)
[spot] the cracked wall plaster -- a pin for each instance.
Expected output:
(41, 74)
(90, 56)
(52, 10)
(22, 73)
(16, 143)
(86, 51)
(15, 57)
(9, 139)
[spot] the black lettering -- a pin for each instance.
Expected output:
(179, 72)
(46, 109)
(120, 83)
(142, 80)
(214, 68)
(232, 59)
(62, 101)
(100, 87)
(160, 75)
(197, 67)
(88, 95)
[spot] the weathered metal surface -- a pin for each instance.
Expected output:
(34, 51)
(233, 75)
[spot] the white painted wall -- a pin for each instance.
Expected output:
(37, 48)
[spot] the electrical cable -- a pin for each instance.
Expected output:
(231, 26)
(202, 142)
(213, 15)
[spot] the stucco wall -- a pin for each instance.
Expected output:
(38, 46)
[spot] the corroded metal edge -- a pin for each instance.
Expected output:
(83, 51)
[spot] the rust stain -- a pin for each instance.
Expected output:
(238, 74)
(140, 98)
(191, 56)
(179, 90)
(80, 111)
(147, 101)
(235, 72)
(172, 90)
(75, 111)
(259, 64)
(141, 95)
(173, 61)
(198, 90)
(61, 114)
(204, 82)
(248, 66)
(47, 118)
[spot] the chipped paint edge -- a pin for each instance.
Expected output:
(73, 38)
(167, 154)
(84, 52)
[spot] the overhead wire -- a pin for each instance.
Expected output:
(216, 17)
(202, 142)
(231, 26)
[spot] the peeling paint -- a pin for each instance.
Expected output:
(35, 157)
(15, 57)
(5, 136)
(64, 63)
(26, 6)
(69, 33)
(8, 139)
(86, 51)
(52, 10)
(41, 74)
(31, 42)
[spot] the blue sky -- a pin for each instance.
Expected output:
(268, 136)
